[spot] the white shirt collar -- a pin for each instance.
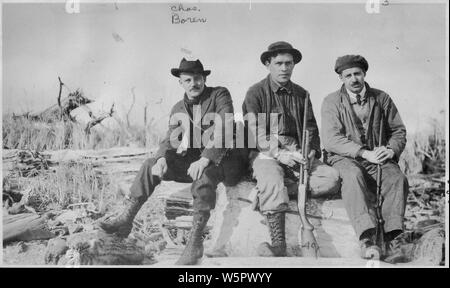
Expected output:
(353, 95)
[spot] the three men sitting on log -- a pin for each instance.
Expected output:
(200, 148)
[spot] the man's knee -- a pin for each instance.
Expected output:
(267, 169)
(351, 172)
(326, 182)
(269, 175)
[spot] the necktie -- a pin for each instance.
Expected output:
(358, 99)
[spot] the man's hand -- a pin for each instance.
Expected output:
(370, 156)
(379, 155)
(290, 158)
(160, 168)
(196, 168)
(384, 153)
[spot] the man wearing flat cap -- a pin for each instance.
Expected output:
(275, 166)
(351, 119)
(183, 156)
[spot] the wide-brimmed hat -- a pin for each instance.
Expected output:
(190, 67)
(281, 47)
(350, 61)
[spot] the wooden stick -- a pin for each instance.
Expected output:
(59, 97)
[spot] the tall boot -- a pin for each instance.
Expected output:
(276, 223)
(194, 248)
(123, 223)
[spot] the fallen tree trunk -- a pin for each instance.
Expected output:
(58, 111)
(25, 227)
(96, 248)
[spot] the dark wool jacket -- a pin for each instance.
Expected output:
(216, 100)
(260, 99)
(340, 134)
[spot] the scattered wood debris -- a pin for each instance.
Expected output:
(422, 242)
(25, 227)
(30, 163)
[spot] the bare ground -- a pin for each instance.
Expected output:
(425, 207)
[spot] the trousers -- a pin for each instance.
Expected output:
(272, 179)
(359, 193)
(203, 190)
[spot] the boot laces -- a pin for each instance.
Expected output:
(276, 230)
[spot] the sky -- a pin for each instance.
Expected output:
(111, 49)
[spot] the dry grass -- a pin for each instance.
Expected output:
(80, 183)
(425, 151)
(69, 184)
(24, 133)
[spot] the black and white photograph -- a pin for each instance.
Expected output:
(231, 134)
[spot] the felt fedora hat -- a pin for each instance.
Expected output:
(281, 47)
(190, 67)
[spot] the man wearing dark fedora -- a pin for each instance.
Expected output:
(184, 157)
(351, 119)
(276, 168)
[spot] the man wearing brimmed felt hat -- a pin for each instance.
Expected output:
(277, 166)
(191, 67)
(184, 157)
(351, 119)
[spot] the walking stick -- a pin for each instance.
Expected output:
(379, 234)
(309, 243)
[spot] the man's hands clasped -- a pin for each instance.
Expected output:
(379, 155)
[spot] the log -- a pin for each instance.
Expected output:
(237, 229)
(420, 247)
(430, 249)
(177, 198)
(98, 248)
(25, 227)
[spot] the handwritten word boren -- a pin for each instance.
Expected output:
(180, 12)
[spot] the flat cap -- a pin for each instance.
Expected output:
(350, 61)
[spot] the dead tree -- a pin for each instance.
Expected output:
(131, 107)
(61, 110)
(96, 120)
(145, 114)
(59, 96)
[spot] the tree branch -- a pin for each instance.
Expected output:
(131, 107)
(59, 96)
(97, 120)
